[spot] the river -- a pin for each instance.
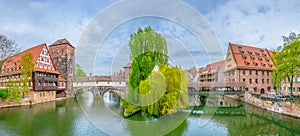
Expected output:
(88, 115)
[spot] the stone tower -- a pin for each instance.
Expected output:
(63, 54)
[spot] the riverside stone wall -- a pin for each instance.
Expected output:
(279, 106)
(32, 98)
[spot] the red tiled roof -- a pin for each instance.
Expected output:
(216, 65)
(252, 57)
(193, 71)
(128, 65)
(13, 61)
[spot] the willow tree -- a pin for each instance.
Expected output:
(148, 49)
(166, 91)
(287, 61)
(154, 86)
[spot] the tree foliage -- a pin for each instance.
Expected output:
(27, 65)
(167, 91)
(287, 61)
(7, 47)
(153, 85)
(79, 71)
(148, 49)
(14, 92)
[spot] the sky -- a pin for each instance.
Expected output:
(256, 23)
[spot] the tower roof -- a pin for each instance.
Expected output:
(62, 41)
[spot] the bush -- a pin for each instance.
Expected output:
(3, 94)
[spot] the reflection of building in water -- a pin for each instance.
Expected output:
(258, 122)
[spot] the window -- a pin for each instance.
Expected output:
(244, 72)
(263, 72)
(263, 81)
(250, 81)
(250, 72)
(256, 72)
(247, 63)
(256, 81)
(244, 80)
(268, 81)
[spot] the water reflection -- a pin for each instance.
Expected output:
(80, 117)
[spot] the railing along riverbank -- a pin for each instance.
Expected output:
(290, 107)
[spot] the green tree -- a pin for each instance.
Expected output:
(27, 65)
(287, 61)
(14, 92)
(79, 71)
(154, 86)
(148, 49)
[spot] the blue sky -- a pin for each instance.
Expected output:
(257, 23)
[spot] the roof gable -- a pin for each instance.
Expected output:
(11, 65)
(252, 57)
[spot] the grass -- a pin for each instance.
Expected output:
(131, 110)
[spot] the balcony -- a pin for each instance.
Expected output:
(45, 88)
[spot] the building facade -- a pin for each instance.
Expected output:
(285, 86)
(193, 75)
(63, 54)
(44, 81)
(212, 72)
(251, 65)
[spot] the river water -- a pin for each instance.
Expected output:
(86, 116)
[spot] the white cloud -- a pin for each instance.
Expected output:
(37, 5)
(258, 23)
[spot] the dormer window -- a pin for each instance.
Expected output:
(270, 65)
(264, 55)
(243, 52)
(253, 58)
(247, 63)
(255, 64)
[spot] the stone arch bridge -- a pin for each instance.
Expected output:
(101, 90)
(98, 85)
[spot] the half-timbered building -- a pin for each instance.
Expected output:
(44, 81)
